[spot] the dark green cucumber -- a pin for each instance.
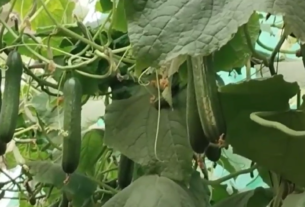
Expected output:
(2, 148)
(196, 136)
(0, 90)
(72, 125)
(125, 173)
(64, 202)
(213, 153)
(10, 100)
(208, 103)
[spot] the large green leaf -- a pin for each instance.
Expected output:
(263, 94)
(236, 52)
(162, 30)
(119, 19)
(152, 190)
(131, 126)
(296, 200)
(80, 188)
(259, 197)
(91, 150)
(272, 147)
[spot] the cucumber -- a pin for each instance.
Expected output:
(64, 202)
(72, 125)
(32, 201)
(125, 172)
(208, 103)
(196, 136)
(10, 100)
(213, 153)
(0, 90)
(2, 148)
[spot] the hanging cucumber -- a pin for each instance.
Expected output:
(2, 148)
(72, 125)
(0, 90)
(10, 99)
(125, 173)
(208, 103)
(196, 136)
(64, 202)
(213, 153)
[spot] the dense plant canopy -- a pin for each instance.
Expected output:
(168, 111)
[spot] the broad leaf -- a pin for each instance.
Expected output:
(219, 192)
(263, 94)
(236, 52)
(80, 188)
(138, 144)
(259, 197)
(295, 200)
(119, 21)
(199, 190)
(162, 30)
(91, 150)
(278, 147)
(106, 5)
(152, 190)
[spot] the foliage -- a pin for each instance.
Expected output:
(136, 59)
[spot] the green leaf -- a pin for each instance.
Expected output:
(259, 197)
(236, 52)
(60, 10)
(44, 106)
(159, 31)
(296, 200)
(106, 5)
(152, 190)
(219, 193)
(138, 144)
(278, 149)
(265, 175)
(199, 190)
(91, 150)
(263, 94)
(235, 161)
(80, 188)
(119, 21)
(3, 2)
(28, 152)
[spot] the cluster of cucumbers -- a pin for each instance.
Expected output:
(205, 121)
(72, 106)
(10, 98)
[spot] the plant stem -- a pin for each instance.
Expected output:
(271, 49)
(230, 176)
